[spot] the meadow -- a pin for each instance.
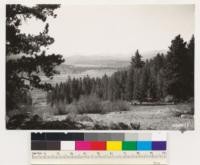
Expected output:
(90, 113)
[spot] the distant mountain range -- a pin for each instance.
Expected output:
(112, 61)
(96, 61)
(99, 61)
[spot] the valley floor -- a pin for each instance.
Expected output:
(148, 117)
(140, 117)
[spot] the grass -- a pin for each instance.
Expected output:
(182, 109)
(86, 114)
(138, 117)
(150, 117)
(25, 121)
(115, 106)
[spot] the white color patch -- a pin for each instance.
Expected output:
(67, 145)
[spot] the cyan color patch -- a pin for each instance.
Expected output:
(144, 145)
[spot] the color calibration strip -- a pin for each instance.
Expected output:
(98, 148)
(99, 141)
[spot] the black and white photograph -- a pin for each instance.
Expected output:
(100, 67)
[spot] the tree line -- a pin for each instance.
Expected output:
(170, 74)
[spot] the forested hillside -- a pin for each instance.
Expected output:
(170, 74)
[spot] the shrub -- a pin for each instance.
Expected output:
(59, 108)
(135, 126)
(90, 104)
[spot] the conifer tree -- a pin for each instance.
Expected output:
(176, 67)
(22, 73)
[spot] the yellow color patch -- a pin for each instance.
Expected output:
(114, 145)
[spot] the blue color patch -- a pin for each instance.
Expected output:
(144, 145)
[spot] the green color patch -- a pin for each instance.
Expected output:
(129, 145)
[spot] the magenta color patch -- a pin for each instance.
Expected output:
(82, 145)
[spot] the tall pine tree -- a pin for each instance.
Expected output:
(176, 68)
(190, 64)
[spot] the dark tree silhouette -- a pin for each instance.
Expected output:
(136, 60)
(25, 53)
(190, 64)
(176, 69)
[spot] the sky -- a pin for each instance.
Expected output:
(115, 30)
